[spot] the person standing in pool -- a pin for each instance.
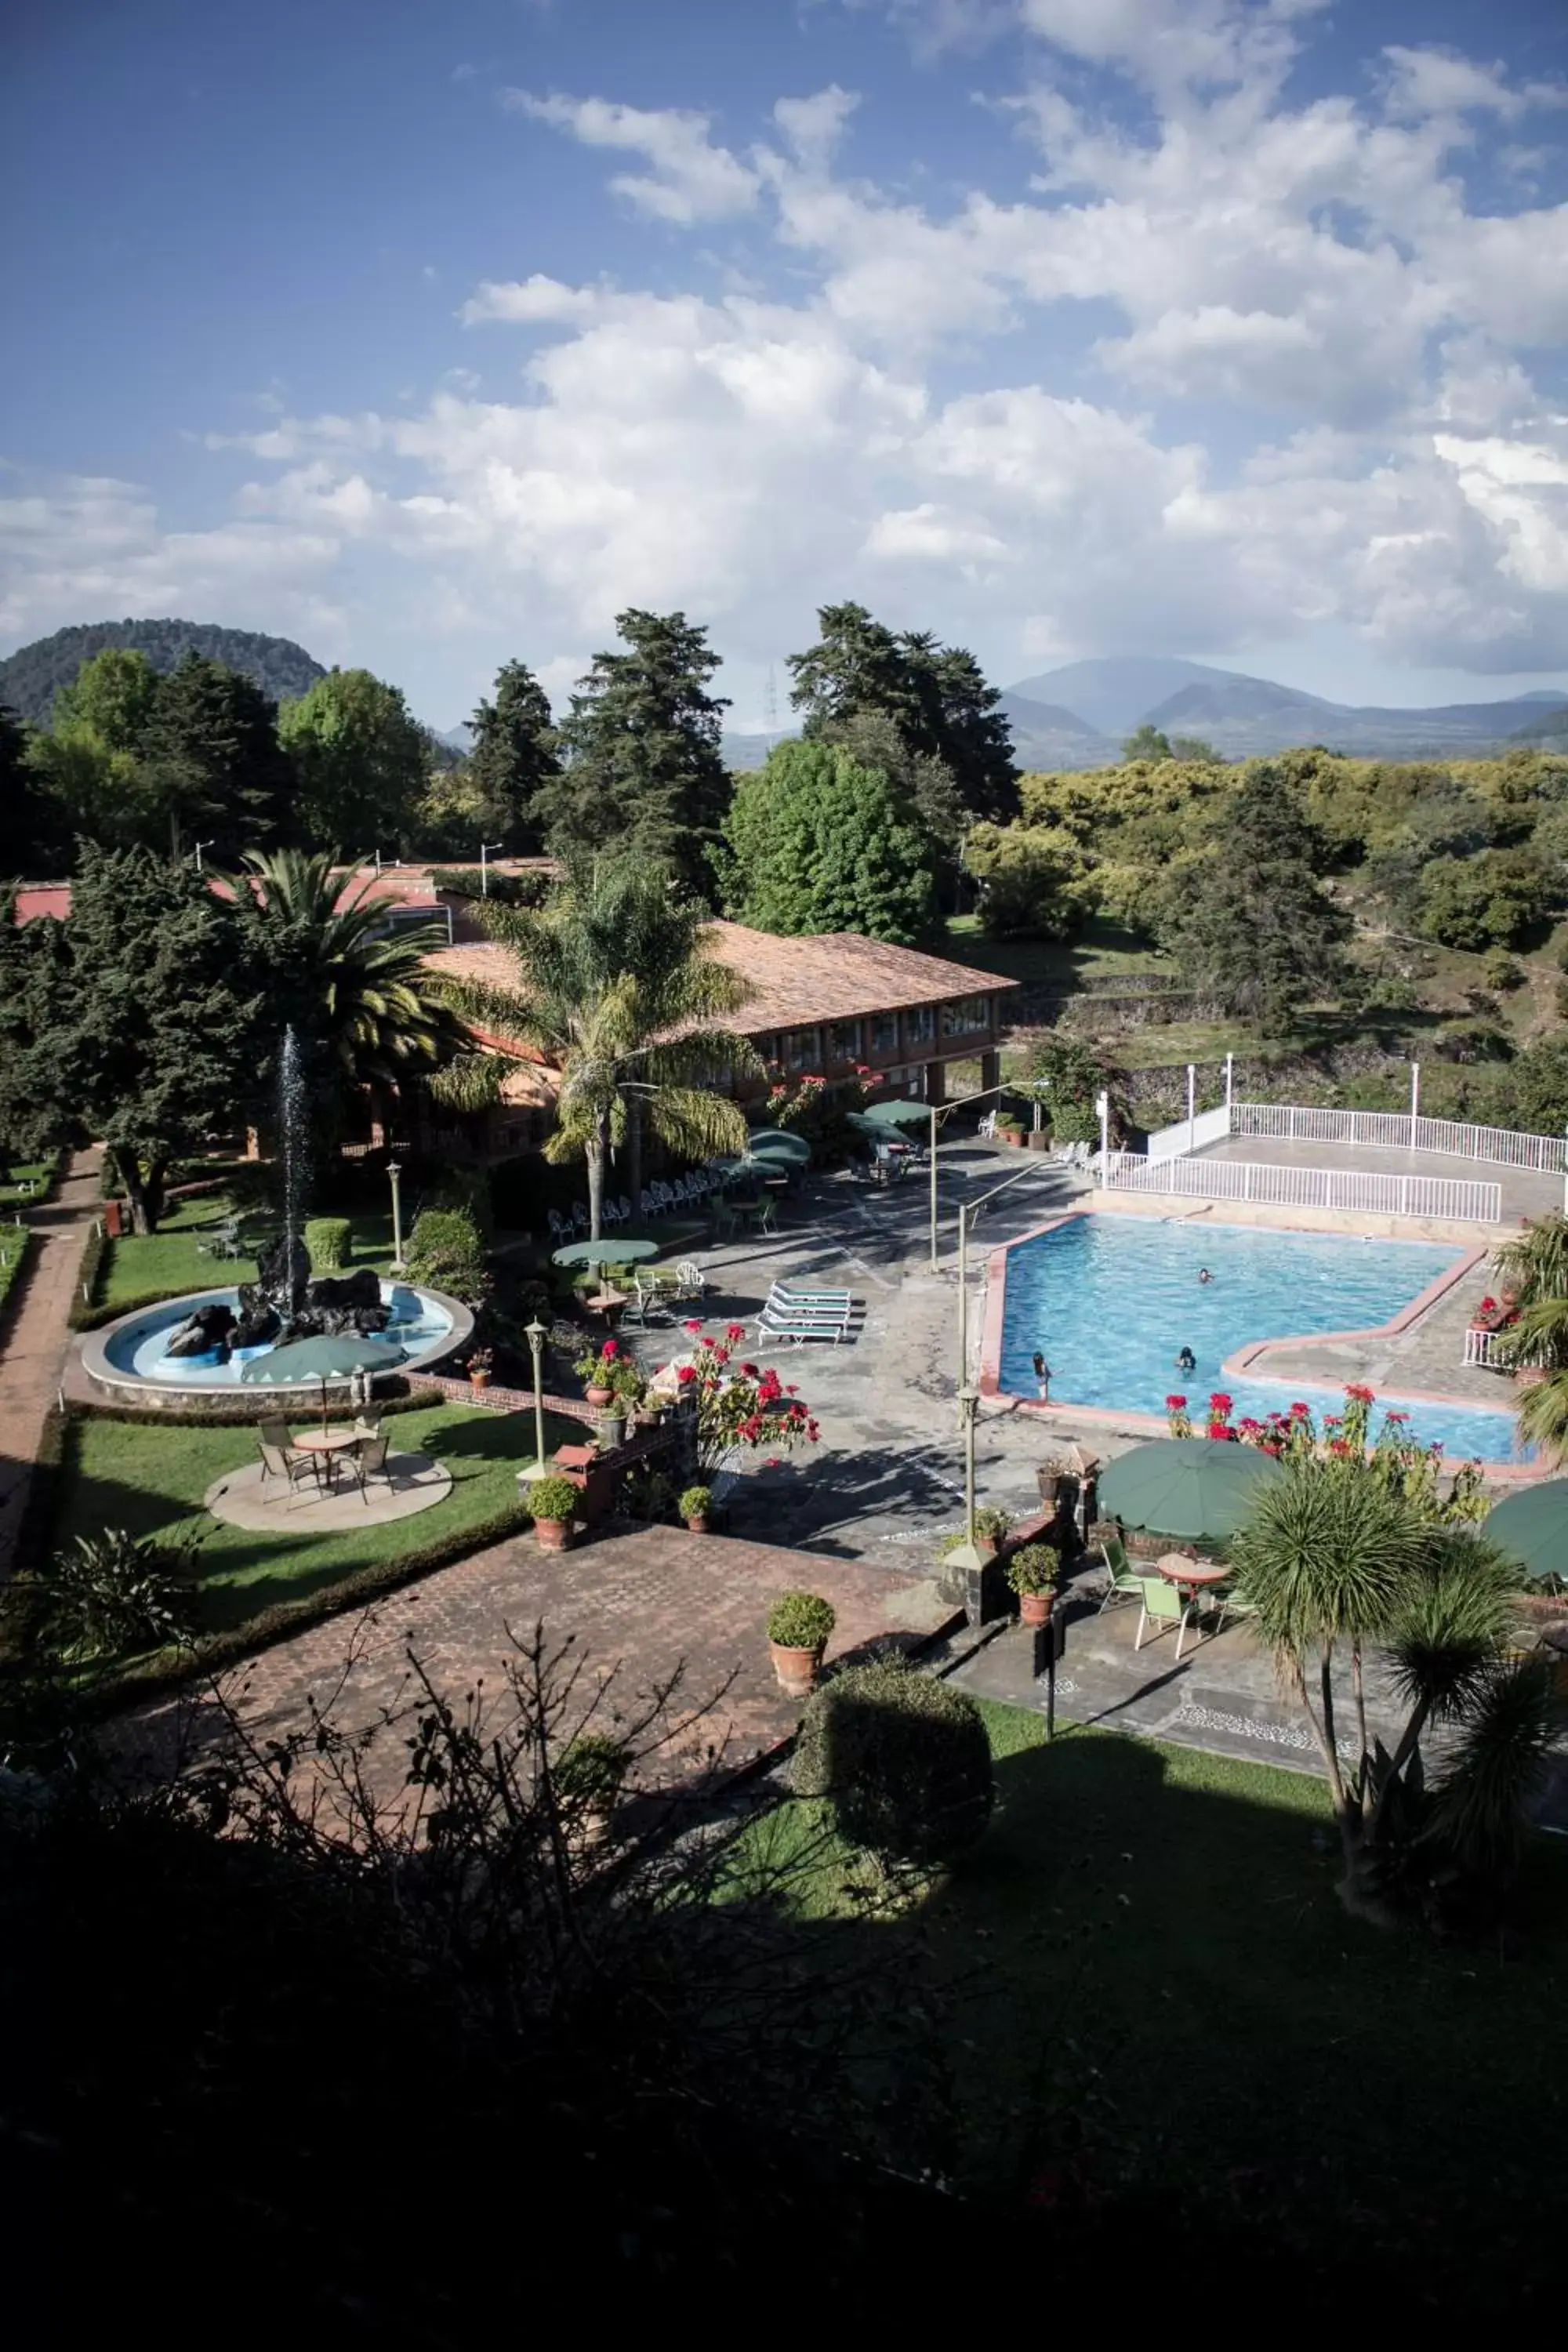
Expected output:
(1186, 1361)
(1204, 1274)
(1042, 1377)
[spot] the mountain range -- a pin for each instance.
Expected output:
(1079, 715)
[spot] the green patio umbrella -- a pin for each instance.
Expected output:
(620, 1249)
(332, 1356)
(901, 1113)
(1531, 1528)
(1188, 1486)
(777, 1143)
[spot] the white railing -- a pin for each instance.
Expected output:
(1190, 1134)
(1487, 1348)
(1388, 1130)
(1307, 1188)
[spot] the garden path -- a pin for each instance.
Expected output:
(33, 1354)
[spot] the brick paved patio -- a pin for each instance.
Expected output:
(637, 1601)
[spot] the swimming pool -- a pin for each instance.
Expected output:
(1110, 1300)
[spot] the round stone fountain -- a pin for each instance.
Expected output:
(210, 1346)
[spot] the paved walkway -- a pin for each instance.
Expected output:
(630, 1607)
(33, 1354)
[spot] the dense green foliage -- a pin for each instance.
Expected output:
(643, 771)
(328, 1243)
(902, 1758)
(514, 757)
(31, 677)
(447, 1251)
(816, 842)
(363, 763)
(935, 696)
(797, 1621)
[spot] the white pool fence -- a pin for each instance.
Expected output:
(1275, 1186)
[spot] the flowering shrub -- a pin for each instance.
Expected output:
(1176, 1410)
(739, 1406)
(1219, 1426)
(610, 1368)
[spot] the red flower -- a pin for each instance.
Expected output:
(1300, 1412)
(813, 1431)
(734, 1333)
(1361, 1395)
(609, 1351)
(1174, 1404)
(1220, 1402)
(748, 1371)
(792, 1387)
(1275, 1450)
(773, 1462)
(1397, 1416)
(1489, 1306)
(1339, 1446)
(691, 1324)
(686, 1375)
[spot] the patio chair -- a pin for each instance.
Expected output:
(370, 1462)
(798, 1332)
(1123, 1580)
(560, 1230)
(1162, 1603)
(579, 1217)
(691, 1281)
(283, 1460)
(789, 1295)
(1230, 1603)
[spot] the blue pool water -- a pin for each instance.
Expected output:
(417, 1325)
(1110, 1300)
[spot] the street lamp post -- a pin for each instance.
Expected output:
(485, 849)
(967, 1558)
(200, 846)
(536, 1334)
(395, 1178)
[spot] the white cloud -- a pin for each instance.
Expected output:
(1431, 80)
(692, 181)
(815, 126)
(537, 301)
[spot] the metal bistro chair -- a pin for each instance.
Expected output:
(1122, 1580)
(282, 1458)
(370, 1462)
(1166, 1603)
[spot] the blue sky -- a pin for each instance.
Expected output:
(435, 335)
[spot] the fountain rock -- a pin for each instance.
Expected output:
(283, 1274)
(205, 1333)
(259, 1322)
(350, 1302)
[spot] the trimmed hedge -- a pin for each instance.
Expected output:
(328, 1243)
(250, 1406)
(446, 1253)
(903, 1759)
(26, 1257)
(84, 1314)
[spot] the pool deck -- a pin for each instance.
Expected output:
(1524, 1193)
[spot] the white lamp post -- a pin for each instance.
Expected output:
(485, 849)
(536, 1336)
(967, 1556)
(395, 1178)
(200, 846)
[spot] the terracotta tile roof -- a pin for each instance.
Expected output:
(834, 976)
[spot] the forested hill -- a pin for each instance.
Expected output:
(30, 678)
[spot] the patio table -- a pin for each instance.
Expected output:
(1193, 1576)
(329, 1443)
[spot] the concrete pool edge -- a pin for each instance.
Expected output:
(90, 1352)
(1135, 1424)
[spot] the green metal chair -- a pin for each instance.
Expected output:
(1123, 1580)
(1230, 1603)
(1164, 1603)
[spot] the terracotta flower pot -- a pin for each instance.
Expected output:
(796, 1669)
(554, 1534)
(597, 1396)
(699, 1526)
(1035, 1608)
(479, 1379)
(986, 1547)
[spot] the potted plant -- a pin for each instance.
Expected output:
(554, 1503)
(990, 1529)
(1034, 1572)
(480, 1364)
(695, 1505)
(1010, 1130)
(799, 1624)
(1049, 1478)
(588, 1774)
(597, 1370)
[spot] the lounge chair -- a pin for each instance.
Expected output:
(1122, 1580)
(823, 1310)
(1166, 1603)
(801, 1292)
(798, 1332)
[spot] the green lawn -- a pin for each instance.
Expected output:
(146, 1476)
(1160, 1927)
(23, 1175)
(1101, 946)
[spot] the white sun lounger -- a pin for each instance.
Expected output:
(797, 1331)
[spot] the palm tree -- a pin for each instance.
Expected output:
(1335, 1562)
(613, 987)
(1533, 1270)
(362, 1000)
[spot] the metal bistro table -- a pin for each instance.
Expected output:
(1193, 1576)
(329, 1443)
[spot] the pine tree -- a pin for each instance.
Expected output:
(514, 757)
(210, 753)
(936, 696)
(644, 768)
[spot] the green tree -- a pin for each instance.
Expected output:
(364, 1003)
(935, 696)
(515, 755)
(817, 842)
(1068, 1077)
(113, 695)
(1147, 743)
(1248, 923)
(614, 986)
(1196, 747)
(1493, 898)
(1335, 1560)
(35, 837)
(644, 769)
(210, 756)
(362, 760)
(1538, 1083)
(147, 1034)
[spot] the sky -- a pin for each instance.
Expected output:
(434, 336)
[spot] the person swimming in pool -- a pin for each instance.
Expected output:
(1042, 1376)
(1186, 1361)
(1204, 1274)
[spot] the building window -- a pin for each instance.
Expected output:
(969, 1015)
(800, 1047)
(884, 1032)
(844, 1042)
(919, 1024)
